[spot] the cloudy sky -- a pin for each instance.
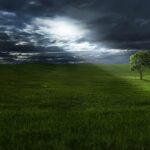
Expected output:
(68, 31)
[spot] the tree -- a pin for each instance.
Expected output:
(139, 61)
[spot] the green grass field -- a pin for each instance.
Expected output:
(73, 107)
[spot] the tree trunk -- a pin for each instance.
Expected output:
(141, 73)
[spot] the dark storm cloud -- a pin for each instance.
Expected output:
(117, 24)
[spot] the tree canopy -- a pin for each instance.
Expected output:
(139, 61)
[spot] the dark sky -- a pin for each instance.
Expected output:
(103, 31)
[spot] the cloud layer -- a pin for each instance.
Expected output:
(109, 30)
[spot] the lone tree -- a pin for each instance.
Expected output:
(139, 61)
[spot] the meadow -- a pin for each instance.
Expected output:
(73, 107)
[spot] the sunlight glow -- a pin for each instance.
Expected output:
(65, 33)
(62, 28)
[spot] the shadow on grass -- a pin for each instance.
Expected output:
(146, 80)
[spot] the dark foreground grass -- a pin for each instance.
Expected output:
(73, 107)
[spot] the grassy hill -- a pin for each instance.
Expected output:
(73, 107)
